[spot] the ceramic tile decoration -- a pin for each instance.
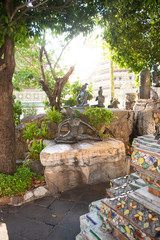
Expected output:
(136, 214)
(131, 210)
(146, 160)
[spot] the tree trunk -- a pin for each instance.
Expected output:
(54, 95)
(55, 98)
(7, 126)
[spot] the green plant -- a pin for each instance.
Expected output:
(42, 132)
(77, 112)
(98, 116)
(17, 183)
(30, 111)
(35, 148)
(17, 107)
(32, 131)
(53, 115)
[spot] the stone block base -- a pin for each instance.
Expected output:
(89, 162)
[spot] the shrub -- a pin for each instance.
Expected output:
(30, 111)
(17, 183)
(98, 116)
(32, 131)
(53, 115)
(17, 107)
(35, 148)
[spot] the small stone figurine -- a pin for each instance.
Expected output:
(155, 76)
(114, 103)
(100, 98)
(82, 97)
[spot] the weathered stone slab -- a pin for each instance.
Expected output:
(89, 162)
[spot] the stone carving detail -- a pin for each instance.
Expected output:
(100, 98)
(144, 84)
(82, 97)
(73, 136)
(155, 76)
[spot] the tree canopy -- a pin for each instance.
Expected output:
(22, 18)
(133, 32)
(19, 20)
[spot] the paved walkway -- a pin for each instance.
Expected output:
(50, 218)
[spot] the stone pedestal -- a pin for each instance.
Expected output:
(89, 162)
(146, 104)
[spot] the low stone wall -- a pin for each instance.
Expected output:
(70, 165)
(128, 125)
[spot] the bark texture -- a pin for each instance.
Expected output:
(7, 126)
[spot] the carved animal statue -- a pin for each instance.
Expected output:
(114, 103)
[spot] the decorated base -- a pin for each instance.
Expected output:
(131, 217)
(131, 210)
(146, 161)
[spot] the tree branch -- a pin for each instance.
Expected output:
(62, 52)
(70, 71)
(50, 65)
(66, 5)
(18, 8)
(30, 7)
(41, 65)
(44, 87)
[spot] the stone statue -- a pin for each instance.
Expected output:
(144, 84)
(100, 98)
(73, 136)
(82, 97)
(155, 76)
(114, 103)
(130, 100)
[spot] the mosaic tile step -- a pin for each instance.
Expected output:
(119, 190)
(131, 217)
(94, 206)
(90, 219)
(94, 233)
(90, 225)
(100, 235)
(151, 178)
(122, 180)
(143, 193)
(147, 199)
(147, 141)
(148, 160)
(131, 183)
